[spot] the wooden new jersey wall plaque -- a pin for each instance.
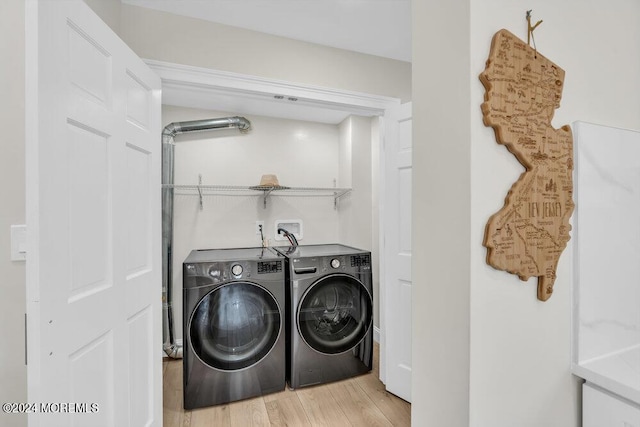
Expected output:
(523, 89)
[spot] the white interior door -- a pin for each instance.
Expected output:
(397, 252)
(93, 220)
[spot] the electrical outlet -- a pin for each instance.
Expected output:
(260, 227)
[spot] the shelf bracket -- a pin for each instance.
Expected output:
(264, 197)
(336, 197)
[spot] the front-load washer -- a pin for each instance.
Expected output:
(234, 325)
(330, 313)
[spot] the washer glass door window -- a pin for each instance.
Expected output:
(335, 314)
(234, 326)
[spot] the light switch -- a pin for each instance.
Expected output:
(18, 242)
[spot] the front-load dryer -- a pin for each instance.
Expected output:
(330, 313)
(234, 325)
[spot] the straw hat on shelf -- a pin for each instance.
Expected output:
(268, 182)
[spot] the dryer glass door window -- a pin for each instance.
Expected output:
(335, 314)
(234, 326)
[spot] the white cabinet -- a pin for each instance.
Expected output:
(603, 409)
(606, 290)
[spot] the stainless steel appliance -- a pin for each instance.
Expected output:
(234, 325)
(330, 313)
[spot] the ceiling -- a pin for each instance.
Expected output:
(375, 27)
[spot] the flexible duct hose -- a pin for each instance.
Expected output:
(169, 345)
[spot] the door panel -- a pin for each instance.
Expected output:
(396, 356)
(93, 360)
(138, 170)
(88, 188)
(141, 367)
(95, 314)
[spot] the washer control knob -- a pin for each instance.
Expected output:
(335, 263)
(236, 270)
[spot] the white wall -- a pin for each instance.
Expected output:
(357, 225)
(355, 219)
(441, 209)
(108, 10)
(517, 370)
(172, 38)
(13, 373)
(301, 154)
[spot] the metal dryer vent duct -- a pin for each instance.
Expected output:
(168, 148)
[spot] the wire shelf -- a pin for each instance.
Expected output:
(265, 192)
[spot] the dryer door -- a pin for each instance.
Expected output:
(335, 314)
(234, 326)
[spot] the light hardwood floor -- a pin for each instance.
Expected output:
(359, 401)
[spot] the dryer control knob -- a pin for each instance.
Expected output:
(236, 270)
(335, 263)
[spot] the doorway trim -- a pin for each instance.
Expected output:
(187, 84)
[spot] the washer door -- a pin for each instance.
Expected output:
(234, 326)
(335, 314)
